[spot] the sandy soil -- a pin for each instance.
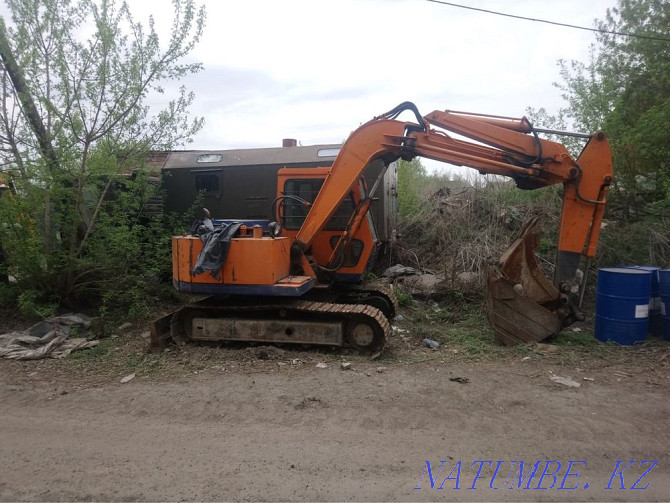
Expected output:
(208, 423)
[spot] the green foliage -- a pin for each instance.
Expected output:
(37, 303)
(21, 242)
(581, 339)
(625, 90)
(631, 242)
(95, 354)
(464, 330)
(129, 257)
(411, 181)
(404, 299)
(76, 230)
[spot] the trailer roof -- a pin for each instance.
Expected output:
(310, 154)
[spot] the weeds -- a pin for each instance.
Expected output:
(459, 229)
(120, 357)
(404, 298)
(462, 327)
(95, 354)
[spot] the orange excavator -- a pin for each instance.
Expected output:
(297, 279)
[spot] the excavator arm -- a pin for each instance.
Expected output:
(519, 293)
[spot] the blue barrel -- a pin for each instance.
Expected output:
(655, 315)
(622, 305)
(664, 290)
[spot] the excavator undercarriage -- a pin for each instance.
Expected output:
(355, 318)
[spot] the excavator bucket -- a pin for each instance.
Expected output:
(521, 299)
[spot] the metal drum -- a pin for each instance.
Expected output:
(655, 315)
(622, 305)
(664, 290)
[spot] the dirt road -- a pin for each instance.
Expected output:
(295, 432)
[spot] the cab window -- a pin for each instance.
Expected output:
(294, 212)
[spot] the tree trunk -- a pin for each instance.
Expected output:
(34, 119)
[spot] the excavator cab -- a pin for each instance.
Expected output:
(260, 294)
(297, 189)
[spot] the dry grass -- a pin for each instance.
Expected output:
(462, 229)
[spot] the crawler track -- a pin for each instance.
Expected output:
(377, 295)
(293, 321)
(380, 290)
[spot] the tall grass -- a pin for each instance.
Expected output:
(460, 225)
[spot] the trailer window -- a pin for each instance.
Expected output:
(207, 183)
(328, 152)
(209, 158)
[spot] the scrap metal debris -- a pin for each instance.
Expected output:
(565, 381)
(47, 339)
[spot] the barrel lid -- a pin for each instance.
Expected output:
(623, 270)
(650, 268)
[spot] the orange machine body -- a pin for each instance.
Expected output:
(327, 228)
(327, 236)
(254, 265)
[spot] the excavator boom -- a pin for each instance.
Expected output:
(505, 146)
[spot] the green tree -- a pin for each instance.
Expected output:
(78, 79)
(624, 89)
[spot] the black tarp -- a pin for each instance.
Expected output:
(215, 245)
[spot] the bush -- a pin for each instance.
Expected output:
(123, 263)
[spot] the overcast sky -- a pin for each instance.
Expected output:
(315, 69)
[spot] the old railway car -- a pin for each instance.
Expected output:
(242, 183)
